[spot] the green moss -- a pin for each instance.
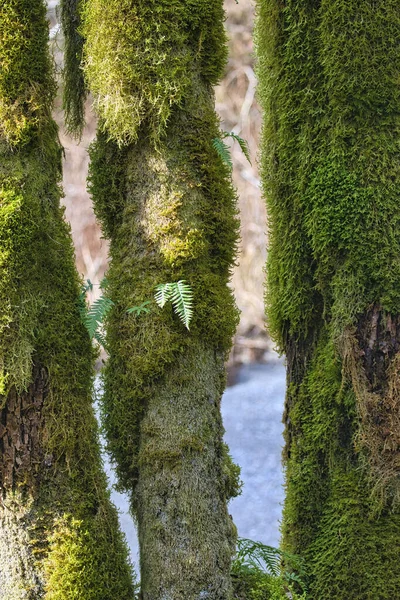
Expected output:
(75, 566)
(139, 59)
(172, 216)
(54, 501)
(74, 92)
(26, 83)
(329, 75)
(262, 586)
(166, 202)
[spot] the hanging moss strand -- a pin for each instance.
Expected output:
(329, 86)
(59, 531)
(74, 90)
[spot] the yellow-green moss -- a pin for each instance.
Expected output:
(58, 511)
(26, 84)
(329, 85)
(139, 58)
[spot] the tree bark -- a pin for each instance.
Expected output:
(329, 75)
(166, 203)
(59, 535)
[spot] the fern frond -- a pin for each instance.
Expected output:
(244, 146)
(182, 301)
(163, 294)
(254, 556)
(138, 310)
(223, 152)
(181, 296)
(259, 556)
(100, 338)
(96, 314)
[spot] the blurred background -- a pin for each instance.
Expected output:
(237, 106)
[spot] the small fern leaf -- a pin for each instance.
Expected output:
(182, 301)
(163, 294)
(223, 152)
(244, 146)
(96, 314)
(138, 310)
(100, 338)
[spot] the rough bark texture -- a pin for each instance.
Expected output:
(181, 501)
(59, 535)
(166, 203)
(21, 432)
(329, 84)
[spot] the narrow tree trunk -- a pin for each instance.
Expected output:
(59, 535)
(329, 83)
(166, 203)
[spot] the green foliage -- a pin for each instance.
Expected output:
(139, 59)
(262, 572)
(180, 295)
(223, 149)
(96, 314)
(93, 316)
(140, 309)
(223, 152)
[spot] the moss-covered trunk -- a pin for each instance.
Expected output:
(166, 203)
(59, 535)
(329, 83)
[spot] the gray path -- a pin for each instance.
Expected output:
(252, 412)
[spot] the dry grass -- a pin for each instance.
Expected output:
(240, 113)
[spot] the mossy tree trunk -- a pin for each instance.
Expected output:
(329, 83)
(59, 535)
(166, 203)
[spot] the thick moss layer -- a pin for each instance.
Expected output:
(170, 218)
(26, 84)
(171, 215)
(167, 205)
(55, 506)
(329, 74)
(140, 57)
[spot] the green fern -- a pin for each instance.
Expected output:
(93, 316)
(163, 294)
(180, 294)
(138, 310)
(96, 314)
(244, 146)
(254, 557)
(223, 150)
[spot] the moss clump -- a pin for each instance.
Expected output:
(26, 84)
(54, 500)
(329, 76)
(139, 58)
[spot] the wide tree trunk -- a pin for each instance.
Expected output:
(329, 83)
(166, 203)
(59, 535)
